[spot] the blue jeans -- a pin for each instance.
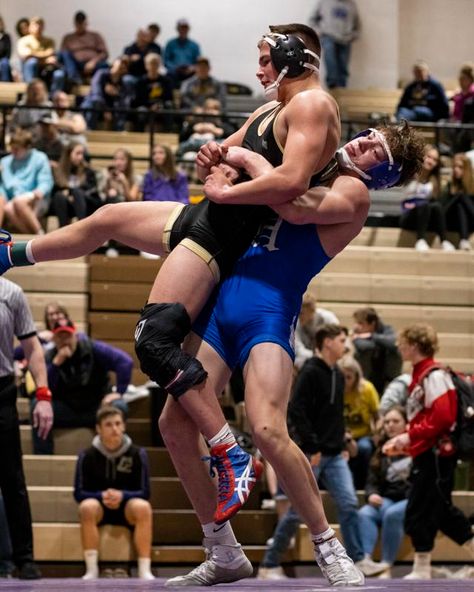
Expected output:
(74, 69)
(389, 518)
(359, 465)
(5, 70)
(334, 472)
(336, 58)
(419, 113)
(31, 70)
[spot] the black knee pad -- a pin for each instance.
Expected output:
(158, 337)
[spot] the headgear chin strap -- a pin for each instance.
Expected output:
(380, 176)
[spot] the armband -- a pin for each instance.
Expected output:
(43, 394)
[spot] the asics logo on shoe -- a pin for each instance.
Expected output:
(243, 483)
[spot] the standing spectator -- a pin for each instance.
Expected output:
(70, 125)
(163, 182)
(458, 200)
(316, 413)
(16, 320)
(181, 54)
(421, 209)
(137, 51)
(75, 192)
(25, 184)
(361, 411)
(36, 100)
(201, 86)
(119, 182)
(78, 374)
(83, 52)
(386, 493)
(111, 88)
(5, 54)
(112, 486)
(423, 99)
(338, 24)
(38, 55)
(431, 412)
(154, 91)
(375, 348)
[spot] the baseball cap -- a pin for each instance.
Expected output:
(64, 325)
(182, 22)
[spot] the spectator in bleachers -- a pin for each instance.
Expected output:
(36, 96)
(53, 312)
(457, 198)
(22, 27)
(181, 54)
(154, 91)
(386, 494)
(338, 24)
(83, 52)
(119, 182)
(39, 57)
(137, 51)
(163, 182)
(201, 86)
(431, 413)
(111, 88)
(25, 184)
(112, 486)
(421, 209)
(71, 125)
(463, 108)
(396, 393)
(361, 411)
(311, 317)
(75, 192)
(5, 54)
(375, 348)
(423, 99)
(154, 31)
(78, 374)
(48, 139)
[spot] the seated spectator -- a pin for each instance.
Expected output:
(421, 209)
(48, 140)
(386, 493)
(311, 317)
(153, 31)
(53, 312)
(112, 486)
(163, 182)
(111, 88)
(423, 99)
(154, 92)
(463, 108)
(70, 125)
(375, 348)
(361, 407)
(22, 27)
(457, 198)
(83, 52)
(39, 58)
(119, 182)
(396, 393)
(78, 375)
(181, 54)
(75, 192)
(36, 100)
(136, 51)
(5, 54)
(25, 184)
(201, 86)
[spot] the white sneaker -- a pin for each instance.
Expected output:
(464, 245)
(271, 573)
(465, 573)
(369, 567)
(111, 252)
(337, 567)
(386, 574)
(422, 245)
(146, 255)
(447, 246)
(210, 572)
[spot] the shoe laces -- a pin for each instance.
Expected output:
(5, 237)
(216, 464)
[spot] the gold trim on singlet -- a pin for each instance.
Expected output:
(262, 126)
(275, 135)
(169, 227)
(204, 255)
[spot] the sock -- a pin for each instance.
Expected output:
(222, 533)
(91, 557)
(21, 254)
(323, 536)
(223, 436)
(144, 571)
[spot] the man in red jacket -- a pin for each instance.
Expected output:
(431, 412)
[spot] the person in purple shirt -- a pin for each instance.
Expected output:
(163, 182)
(78, 375)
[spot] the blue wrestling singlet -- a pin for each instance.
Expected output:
(261, 300)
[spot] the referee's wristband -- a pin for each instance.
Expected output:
(43, 394)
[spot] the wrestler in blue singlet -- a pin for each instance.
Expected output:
(261, 300)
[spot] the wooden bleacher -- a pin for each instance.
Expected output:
(360, 104)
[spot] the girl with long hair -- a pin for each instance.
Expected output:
(458, 200)
(163, 182)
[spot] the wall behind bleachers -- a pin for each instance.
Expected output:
(228, 31)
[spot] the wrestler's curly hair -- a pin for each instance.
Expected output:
(407, 146)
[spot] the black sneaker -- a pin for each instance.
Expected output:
(29, 571)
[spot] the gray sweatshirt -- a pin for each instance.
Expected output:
(338, 19)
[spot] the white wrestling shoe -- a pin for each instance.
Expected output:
(224, 564)
(337, 567)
